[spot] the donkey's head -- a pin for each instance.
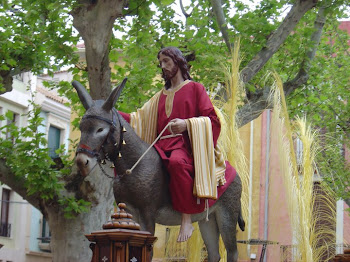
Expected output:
(100, 128)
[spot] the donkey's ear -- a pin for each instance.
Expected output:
(113, 97)
(84, 96)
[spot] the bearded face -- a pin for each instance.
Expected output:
(169, 68)
(168, 74)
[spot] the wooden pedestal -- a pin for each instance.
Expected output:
(121, 240)
(121, 245)
(342, 257)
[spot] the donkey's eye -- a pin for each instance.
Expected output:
(99, 130)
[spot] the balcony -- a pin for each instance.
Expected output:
(5, 230)
(44, 244)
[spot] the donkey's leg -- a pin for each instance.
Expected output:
(227, 217)
(147, 221)
(148, 226)
(210, 234)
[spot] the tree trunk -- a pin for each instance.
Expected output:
(94, 20)
(68, 241)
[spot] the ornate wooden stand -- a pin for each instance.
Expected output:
(342, 257)
(121, 240)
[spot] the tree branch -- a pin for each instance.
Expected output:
(277, 38)
(347, 201)
(184, 11)
(258, 101)
(7, 80)
(75, 185)
(220, 18)
(17, 184)
(303, 75)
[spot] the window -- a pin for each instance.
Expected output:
(5, 227)
(12, 119)
(19, 77)
(45, 232)
(45, 237)
(54, 141)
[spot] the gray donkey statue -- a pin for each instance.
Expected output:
(105, 135)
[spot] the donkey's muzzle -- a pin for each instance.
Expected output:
(84, 163)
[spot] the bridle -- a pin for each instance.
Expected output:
(95, 153)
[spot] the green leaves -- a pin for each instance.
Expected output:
(72, 206)
(26, 154)
(163, 2)
(322, 99)
(34, 34)
(38, 34)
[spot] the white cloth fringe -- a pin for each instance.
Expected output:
(207, 208)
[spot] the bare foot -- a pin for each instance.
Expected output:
(186, 228)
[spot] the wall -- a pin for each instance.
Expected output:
(23, 244)
(13, 249)
(17, 102)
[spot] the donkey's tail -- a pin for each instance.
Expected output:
(241, 222)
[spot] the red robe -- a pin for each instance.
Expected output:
(191, 100)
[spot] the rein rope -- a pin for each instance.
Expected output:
(129, 171)
(95, 153)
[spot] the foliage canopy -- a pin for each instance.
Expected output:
(300, 40)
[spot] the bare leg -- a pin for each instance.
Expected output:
(186, 228)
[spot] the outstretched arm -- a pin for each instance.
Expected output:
(126, 116)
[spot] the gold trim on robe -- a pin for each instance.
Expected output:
(144, 120)
(208, 161)
(170, 94)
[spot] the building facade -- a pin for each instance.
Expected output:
(24, 232)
